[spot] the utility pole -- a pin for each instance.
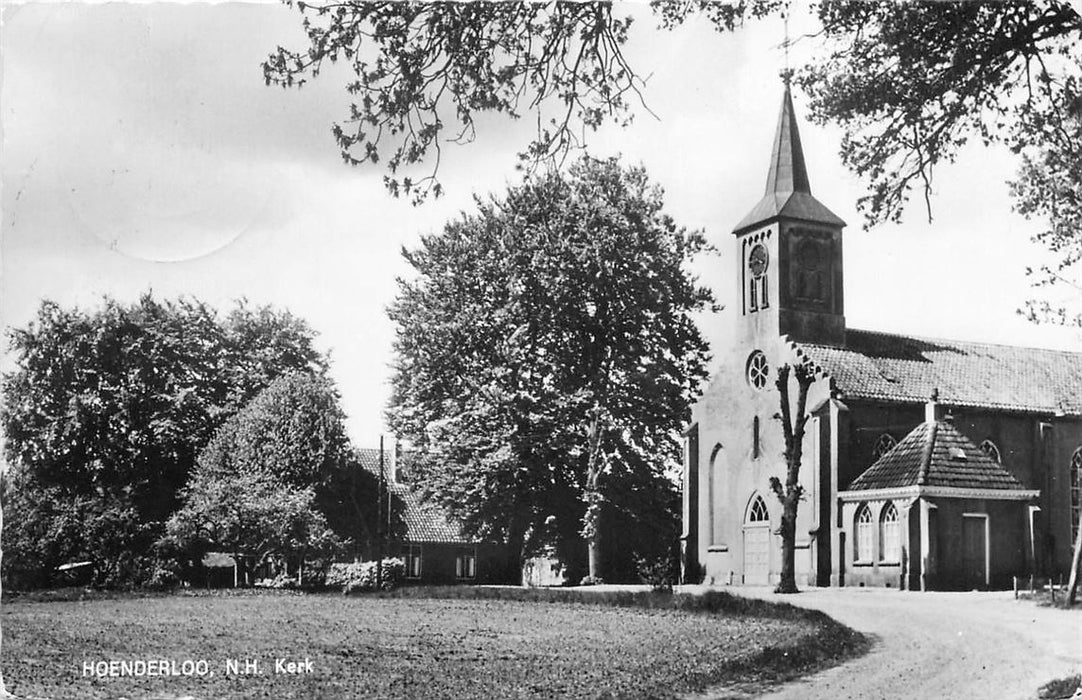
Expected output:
(379, 521)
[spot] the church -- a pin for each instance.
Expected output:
(928, 464)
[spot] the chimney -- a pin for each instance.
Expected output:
(933, 410)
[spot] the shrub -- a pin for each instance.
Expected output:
(281, 581)
(361, 576)
(659, 572)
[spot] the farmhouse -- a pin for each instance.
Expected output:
(432, 546)
(928, 463)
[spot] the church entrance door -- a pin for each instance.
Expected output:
(757, 555)
(975, 549)
(757, 543)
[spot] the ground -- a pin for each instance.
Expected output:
(941, 645)
(368, 646)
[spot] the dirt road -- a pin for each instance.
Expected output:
(940, 645)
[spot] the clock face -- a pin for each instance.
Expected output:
(758, 260)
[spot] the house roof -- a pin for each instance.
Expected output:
(936, 454)
(900, 368)
(424, 522)
(788, 191)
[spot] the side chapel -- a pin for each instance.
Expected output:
(928, 463)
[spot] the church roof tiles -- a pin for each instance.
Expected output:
(936, 455)
(900, 368)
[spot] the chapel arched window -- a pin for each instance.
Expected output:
(890, 535)
(865, 539)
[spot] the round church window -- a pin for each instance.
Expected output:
(758, 370)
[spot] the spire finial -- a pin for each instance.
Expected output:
(786, 72)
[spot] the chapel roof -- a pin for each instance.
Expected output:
(935, 454)
(900, 368)
(423, 522)
(788, 191)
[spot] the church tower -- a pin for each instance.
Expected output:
(789, 249)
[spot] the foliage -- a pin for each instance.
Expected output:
(361, 576)
(417, 63)
(910, 83)
(791, 493)
(1061, 688)
(249, 513)
(293, 431)
(264, 482)
(548, 332)
(106, 410)
(660, 572)
(1049, 187)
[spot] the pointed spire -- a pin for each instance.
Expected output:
(788, 193)
(788, 173)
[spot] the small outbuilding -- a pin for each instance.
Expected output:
(937, 512)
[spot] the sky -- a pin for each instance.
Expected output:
(143, 151)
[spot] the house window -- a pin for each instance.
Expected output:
(989, 448)
(883, 445)
(757, 370)
(865, 540)
(411, 555)
(758, 512)
(466, 563)
(890, 535)
(1076, 496)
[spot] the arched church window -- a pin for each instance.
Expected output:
(865, 539)
(890, 535)
(989, 448)
(883, 445)
(758, 512)
(758, 370)
(758, 262)
(1076, 495)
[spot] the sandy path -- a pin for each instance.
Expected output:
(940, 645)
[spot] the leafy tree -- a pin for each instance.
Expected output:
(269, 478)
(249, 514)
(293, 433)
(106, 411)
(546, 359)
(791, 492)
(909, 82)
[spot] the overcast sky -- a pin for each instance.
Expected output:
(142, 151)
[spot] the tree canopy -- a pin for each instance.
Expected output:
(291, 435)
(910, 83)
(546, 335)
(107, 409)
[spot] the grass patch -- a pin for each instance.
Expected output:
(1060, 688)
(419, 642)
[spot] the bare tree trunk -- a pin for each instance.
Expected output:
(592, 518)
(594, 549)
(1076, 561)
(791, 493)
(3, 688)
